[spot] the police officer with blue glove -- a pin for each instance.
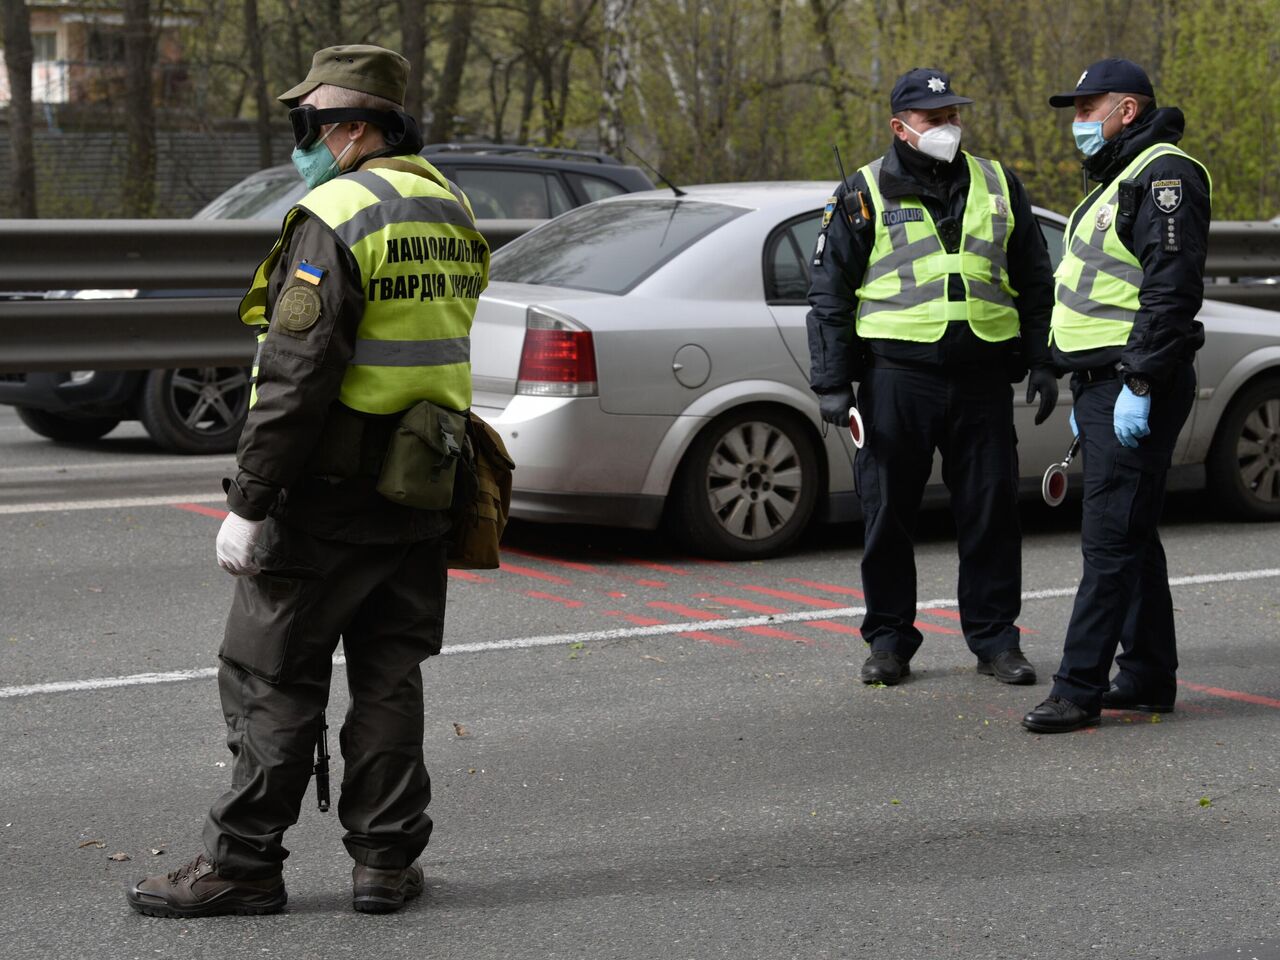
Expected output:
(1127, 293)
(931, 287)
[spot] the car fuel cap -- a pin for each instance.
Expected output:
(691, 365)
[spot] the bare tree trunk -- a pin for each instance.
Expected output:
(526, 104)
(140, 112)
(445, 105)
(331, 25)
(258, 79)
(18, 59)
(615, 73)
(413, 38)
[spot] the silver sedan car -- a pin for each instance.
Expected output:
(645, 359)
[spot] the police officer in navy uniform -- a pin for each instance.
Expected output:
(931, 287)
(1127, 293)
(316, 550)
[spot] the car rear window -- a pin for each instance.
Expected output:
(264, 198)
(609, 247)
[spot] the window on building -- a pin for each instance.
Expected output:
(106, 45)
(44, 46)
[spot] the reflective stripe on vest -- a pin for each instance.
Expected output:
(1097, 284)
(904, 288)
(422, 265)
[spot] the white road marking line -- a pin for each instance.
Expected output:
(596, 636)
(123, 502)
(138, 463)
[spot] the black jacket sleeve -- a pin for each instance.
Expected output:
(300, 371)
(1171, 246)
(1031, 274)
(836, 269)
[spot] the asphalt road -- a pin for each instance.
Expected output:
(632, 760)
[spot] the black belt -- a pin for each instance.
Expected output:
(1095, 374)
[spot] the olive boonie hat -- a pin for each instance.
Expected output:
(355, 66)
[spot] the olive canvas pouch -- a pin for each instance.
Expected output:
(421, 461)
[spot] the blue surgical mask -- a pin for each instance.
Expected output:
(1088, 133)
(316, 164)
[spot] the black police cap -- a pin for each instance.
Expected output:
(924, 89)
(1113, 75)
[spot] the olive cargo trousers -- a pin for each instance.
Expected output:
(386, 602)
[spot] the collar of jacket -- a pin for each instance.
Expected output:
(1156, 125)
(906, 172)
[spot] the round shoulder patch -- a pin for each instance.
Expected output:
(298, 309)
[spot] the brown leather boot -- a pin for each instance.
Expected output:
(196, 890)
(384, 891)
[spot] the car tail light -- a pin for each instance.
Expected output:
(559, 356)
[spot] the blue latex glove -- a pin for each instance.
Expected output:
(1130, 417)
(1075, 431)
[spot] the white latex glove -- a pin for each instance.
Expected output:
(236, 541)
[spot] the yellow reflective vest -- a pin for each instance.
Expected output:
(904, 288)
(422, 265)
(1099, 279)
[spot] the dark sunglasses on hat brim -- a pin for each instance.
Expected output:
(308, 122)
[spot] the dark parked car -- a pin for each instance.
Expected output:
(202, 409)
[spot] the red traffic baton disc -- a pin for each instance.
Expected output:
(855, 428)
(1054, 485)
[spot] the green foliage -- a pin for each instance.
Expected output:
(761, 89)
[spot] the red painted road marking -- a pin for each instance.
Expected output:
(924, 627)
(564, 601)
(204, 511)
(939, 612)
(780, 635)
(828, 587)
(713, 638)
(800, 598)
(535, 574)
(580, 567)
(468, 576)
(739, 603)
(692, 613)
(660, 567)
(1253, 698)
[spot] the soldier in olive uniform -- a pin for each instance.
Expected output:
(362, 311)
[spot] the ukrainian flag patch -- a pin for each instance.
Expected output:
(313, 275)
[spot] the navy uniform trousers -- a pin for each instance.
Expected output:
(968, 416)
(387, 602)
(1123, 599)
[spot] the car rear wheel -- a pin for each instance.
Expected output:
(747, 486)
(1244, 462)
(195, 410)
(67, 429)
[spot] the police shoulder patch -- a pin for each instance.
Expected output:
(297, 310)
(1167, 194)
(828, 211)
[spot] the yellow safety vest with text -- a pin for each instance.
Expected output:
(1097, 284)
(422, 265)
(903, 295)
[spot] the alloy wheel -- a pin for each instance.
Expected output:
(754, 480)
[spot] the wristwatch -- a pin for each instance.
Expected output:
(1139, 386)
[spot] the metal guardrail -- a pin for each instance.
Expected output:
(201, 256)
(205, 255)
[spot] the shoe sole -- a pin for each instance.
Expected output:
(215, 908)
(1047, 728)
(385, 901)
(1018, 680)
(888, 682)
(1141, 707)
